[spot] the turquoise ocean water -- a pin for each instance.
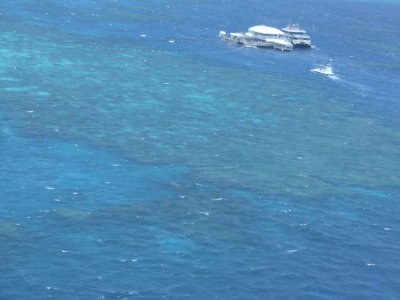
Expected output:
(143, 158)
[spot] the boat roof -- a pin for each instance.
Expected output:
(262, 29)
(293, 28)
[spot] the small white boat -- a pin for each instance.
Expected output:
(324, 69)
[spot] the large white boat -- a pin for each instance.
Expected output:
(297, 36)
(260, 36)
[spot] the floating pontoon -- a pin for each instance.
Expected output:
(260, 36)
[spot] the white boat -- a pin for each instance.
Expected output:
(324, 69)
(297, 36)
(260, 36)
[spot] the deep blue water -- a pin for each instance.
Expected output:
(142, 157)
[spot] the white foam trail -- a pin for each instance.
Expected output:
(290, 251)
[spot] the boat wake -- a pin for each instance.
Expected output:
(334, 77)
